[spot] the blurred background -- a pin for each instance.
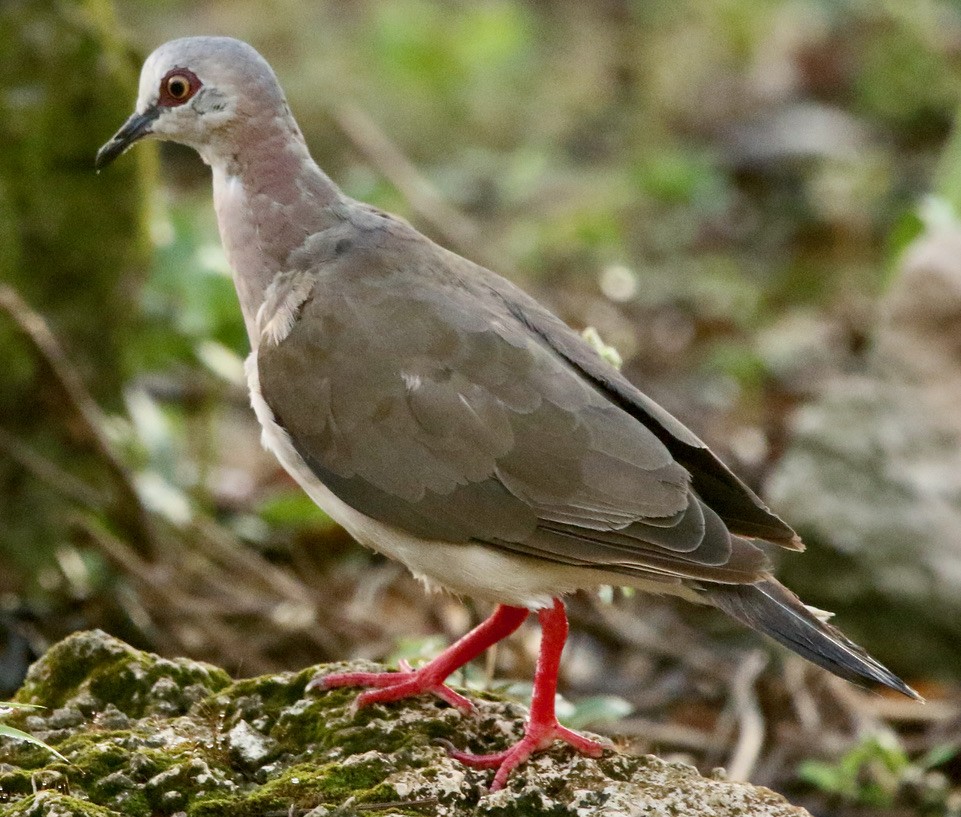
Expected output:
(755, 202)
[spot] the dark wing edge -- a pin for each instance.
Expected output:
(742, 509)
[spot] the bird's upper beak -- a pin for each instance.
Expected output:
(134, 129)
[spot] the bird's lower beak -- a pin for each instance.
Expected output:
(134, 129)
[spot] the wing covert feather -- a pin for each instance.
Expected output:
(422, 403)
(438, 406)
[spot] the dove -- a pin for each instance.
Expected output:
(448, 420)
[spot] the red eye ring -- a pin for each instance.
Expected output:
(177, 86)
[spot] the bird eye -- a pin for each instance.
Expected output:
(178, 86)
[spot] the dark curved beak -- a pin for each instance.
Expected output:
(134, 129)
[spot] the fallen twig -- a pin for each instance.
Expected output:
(50, 473)
(802, 702)
(749, 717)
(443, 219)
(668, 734)
(85, 410)
(628, 629)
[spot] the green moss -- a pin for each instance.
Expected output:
(118, 683)
(117, 674)
(70, 83)
(188, 781)
(300, 788)
(69, 663)
(310, 725)
(306, 786)
(330, 723)
(125, 684)
(343, 780)
(22, 754)
(74, 245)
(268, 695)
(56, 804)
(215, 807)
(526, 805)
(120, 792)
(15, 782)
(326, 719)
(97, 755)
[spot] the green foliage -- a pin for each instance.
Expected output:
(455, 61)
(293, 509)
(416, 650)
(947, 184)
(684, 175)
(908, 227)
(934, 213)
(742, 364)
(879, 773)
(904, 77)
(591, 711)
(189, 297)
(422, 46)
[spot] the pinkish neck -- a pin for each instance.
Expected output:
(269, 197)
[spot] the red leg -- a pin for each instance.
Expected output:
(392, 686)
(542, 726)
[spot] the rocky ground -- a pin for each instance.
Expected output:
(146, 735)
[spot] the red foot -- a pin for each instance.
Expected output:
(542, 726)
(392, 686)
(536, 738)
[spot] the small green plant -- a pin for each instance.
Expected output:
(16, 734)
(878, 773)
(607, 352)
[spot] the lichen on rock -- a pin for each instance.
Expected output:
(151, 736)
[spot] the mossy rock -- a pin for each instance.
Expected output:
(152, 736)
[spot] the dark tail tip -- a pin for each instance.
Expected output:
(770, 608)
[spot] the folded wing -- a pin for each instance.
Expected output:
(424, 403)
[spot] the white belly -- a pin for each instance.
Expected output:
(482, 572)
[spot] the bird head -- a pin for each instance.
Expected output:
(197, 91)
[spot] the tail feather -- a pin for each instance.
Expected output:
(770, 608)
